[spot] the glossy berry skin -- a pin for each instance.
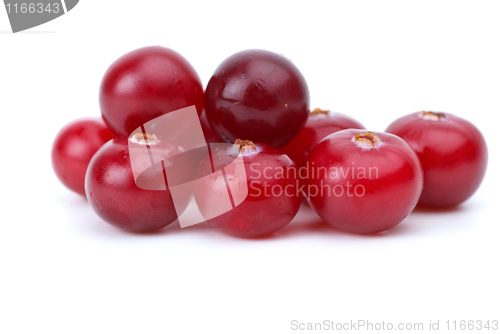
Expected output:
(115, 197)
(147, 83)
(320, 124)
(363, 182)
(258, 95)
(210, 135)
(452, 152)
(74, 146)
(267, 208)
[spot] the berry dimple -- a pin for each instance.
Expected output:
(320, 123)
(114, 194)
(363, 182)
(452, 152)
(272, 200)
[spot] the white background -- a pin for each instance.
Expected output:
(63, 270)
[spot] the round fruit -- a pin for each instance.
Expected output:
(270, 177)
(452, 152)
(147, 83)
(320, 124)
(113, 193)
(73, 148)
(259, 95)
(363, 182)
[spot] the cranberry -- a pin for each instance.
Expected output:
(452, 152)
(114, 195)
(320, 124)
(363, 182)
(259, 95)
(273, 197)
(147, 83)
(73, 148)
(210, 135)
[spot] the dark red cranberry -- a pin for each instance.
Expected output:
(452, 152)
(259, 95)
(363, 182)
(74, 146)
(320, 124)
(113, 193)
(147, 83)
(273, 197)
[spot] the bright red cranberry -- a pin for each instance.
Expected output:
(273, 197)
(210, 135)
(320, 124)
(114, 195)
(73, 148)
(259, 95)
(452, 152)
(363, 182)
(147, 83)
